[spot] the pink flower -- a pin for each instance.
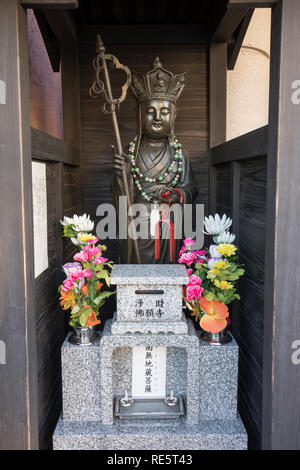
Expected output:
(187, 258)
(189, 271)
(75, 275)
(182, 250)
(100, 260)
(199, 252)
(194, 280)
(189, 242)
(193, 292)
(88, 273)
(93, 240)
(67, 285)
(93, 250)
(81, 256)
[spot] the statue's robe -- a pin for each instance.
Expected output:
(154, 166)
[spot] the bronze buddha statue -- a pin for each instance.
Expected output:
(156, 167)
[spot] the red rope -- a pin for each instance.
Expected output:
(171, 230)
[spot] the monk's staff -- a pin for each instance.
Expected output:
(110, 106)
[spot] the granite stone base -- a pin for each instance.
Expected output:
(81, 381)
(151, 435)
(189, 343)
(147, 327)
(218, 369)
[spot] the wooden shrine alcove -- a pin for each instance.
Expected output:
(254, 178)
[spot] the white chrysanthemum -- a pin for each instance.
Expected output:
(224, 237)
(215, 225)
(80, 223)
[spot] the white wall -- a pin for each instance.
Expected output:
(248, 83)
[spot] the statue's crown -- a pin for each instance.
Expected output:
(158, 83)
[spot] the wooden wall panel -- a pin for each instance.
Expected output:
(251, 312)
(63, 198)
(49, 321)
(248, 314)
(223, 189)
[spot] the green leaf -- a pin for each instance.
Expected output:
(210, 297)
(104, 275)
(103, 295)
(75, 310)
(83, 315)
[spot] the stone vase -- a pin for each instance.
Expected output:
(217, 339)
(83, 336)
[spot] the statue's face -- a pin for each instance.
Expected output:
(157, 118)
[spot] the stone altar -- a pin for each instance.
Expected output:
(204, 376)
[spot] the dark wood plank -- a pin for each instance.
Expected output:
(71, 95)
(56, 4)
(232, 18)
(217, 93)
(18, 378)
(63, 25)
(52, 46)
(252, 3)
(145, 34)
(281, 425)
(48, 148)
(246, 146)
(217, 110)
(235, 47)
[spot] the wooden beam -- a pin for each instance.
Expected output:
(251, 145)
(48, 148)
(252, 4)
(235, 47)
(217, 106)
(228, 24)
(63, 26)
(18, 377)
(281, 375)
(218, 92)
(50, 4)
(70, 77)
(51, 45)
(143, 34)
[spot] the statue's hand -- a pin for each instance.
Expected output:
(120, 162)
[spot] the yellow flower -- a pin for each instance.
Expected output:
(86, 237)
(224, 285)
(226, 249)
(221, 264)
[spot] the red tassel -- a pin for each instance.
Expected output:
(171, 231)
(172, 239)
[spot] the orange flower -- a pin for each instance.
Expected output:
(67, 299)
(91, 319)
(214, 319)
(85, 289)
(100, 285)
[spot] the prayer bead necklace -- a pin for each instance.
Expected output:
(175, 168)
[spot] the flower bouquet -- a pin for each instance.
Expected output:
(213, 274)
(81, 291)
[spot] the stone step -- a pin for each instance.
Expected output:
(151, 435)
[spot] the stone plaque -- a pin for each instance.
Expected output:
(149, 371)
(40, 235)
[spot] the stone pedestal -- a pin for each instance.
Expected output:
(203, 375)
